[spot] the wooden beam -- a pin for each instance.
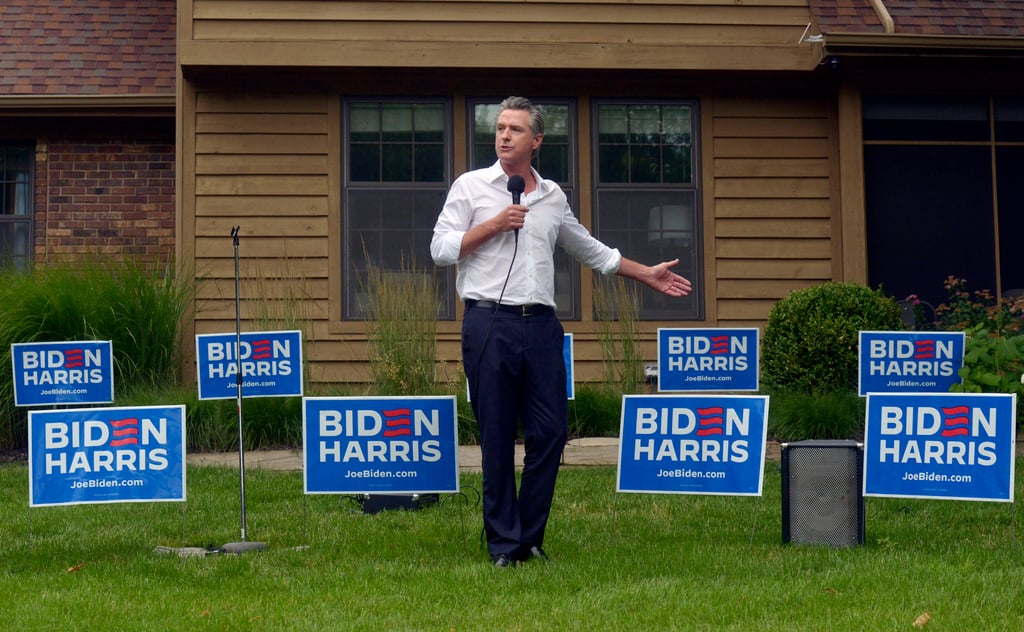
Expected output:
(354, 54)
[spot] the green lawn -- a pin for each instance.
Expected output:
(621, 562)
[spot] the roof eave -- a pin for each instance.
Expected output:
(916, 44)
(124, 104)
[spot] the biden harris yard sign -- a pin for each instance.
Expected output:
(910, 361)
(707, 359)
(106, 455)
(693, 444)
(52, 373)
(956, 446)
(380, 445)
(271, 364)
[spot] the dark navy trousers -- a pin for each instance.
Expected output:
(516, 375)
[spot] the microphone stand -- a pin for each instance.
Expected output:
(243, 546)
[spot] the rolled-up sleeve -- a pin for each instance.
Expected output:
(445, 246)
(451, 226)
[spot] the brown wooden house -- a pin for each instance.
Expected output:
(769, 144)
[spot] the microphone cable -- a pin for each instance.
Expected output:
(490, 325)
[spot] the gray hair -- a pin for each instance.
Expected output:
(522, 103)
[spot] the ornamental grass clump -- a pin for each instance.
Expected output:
(798, 416)
(616, 310)
(402, 310)
(139, 308)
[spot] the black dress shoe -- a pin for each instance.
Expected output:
(537, 553)
(503, 561)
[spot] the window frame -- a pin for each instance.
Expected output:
(690, 308)
(992, 127)
(350, 311)
(10, 219)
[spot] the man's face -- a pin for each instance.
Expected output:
(514, 142)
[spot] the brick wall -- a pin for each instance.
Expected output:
(108, 198)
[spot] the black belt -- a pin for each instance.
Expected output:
(532, 309)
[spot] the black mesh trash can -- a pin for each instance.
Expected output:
(822, 493)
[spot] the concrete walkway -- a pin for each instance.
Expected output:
(583, 451)
(578, 452)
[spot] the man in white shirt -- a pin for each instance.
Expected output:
(511, 338)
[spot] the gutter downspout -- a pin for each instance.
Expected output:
(883, 15)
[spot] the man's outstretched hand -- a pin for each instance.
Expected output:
(663, 279)
(659, 277)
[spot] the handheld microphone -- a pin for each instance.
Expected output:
(516, 186)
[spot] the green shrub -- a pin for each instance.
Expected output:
(994, 341)
(811, 338)
(993, 364)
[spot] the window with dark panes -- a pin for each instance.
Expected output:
(942, 172)
(1008, 113)
(555, 161)
(646, 194)
(16, 206)
(397, 161)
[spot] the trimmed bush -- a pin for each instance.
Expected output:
(811, 338)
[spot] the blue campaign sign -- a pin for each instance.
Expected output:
(909, 361)
(271, 364)
(708, 360)
(956, 446)
(380, 445)
(106, 455)
(51, 373)
(693, 444)
(567, 357)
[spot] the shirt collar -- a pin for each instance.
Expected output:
(496, 175)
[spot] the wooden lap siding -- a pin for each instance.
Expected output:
(262, 164)
(658, 34)
(774, 227)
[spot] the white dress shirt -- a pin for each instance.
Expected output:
(477, 196)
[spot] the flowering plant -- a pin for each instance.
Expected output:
(966, 310)
(994, 350)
